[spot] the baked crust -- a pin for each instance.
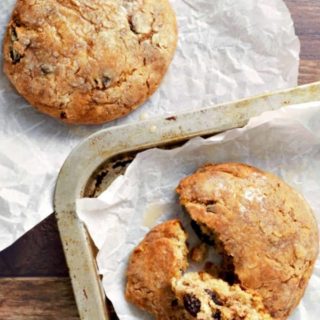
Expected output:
(265, 226)
(89, 62)
(160, 257)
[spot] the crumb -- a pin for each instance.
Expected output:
(199, 252)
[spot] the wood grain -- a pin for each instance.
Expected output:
(37, 299)
(39, 253)
(309, 71)
(306, 17)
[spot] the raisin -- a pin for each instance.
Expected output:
(63, 115)
(174, 303)
(214, 297)
(192, 304)
(46, 68)
(103, 82)
(15, 56)
(210, 202)
(216, 315)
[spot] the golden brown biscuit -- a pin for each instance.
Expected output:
(160, 257)
(263, 225)
(89, 61)
(204, 297)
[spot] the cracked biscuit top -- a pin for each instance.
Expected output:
(89, 61)
(160, 257)
(265, 226)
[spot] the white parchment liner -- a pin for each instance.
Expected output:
(227, 49)
(285, 142)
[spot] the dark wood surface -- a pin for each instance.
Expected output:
(37, 298)
(34, 282)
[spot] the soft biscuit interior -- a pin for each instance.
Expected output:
(205, 297)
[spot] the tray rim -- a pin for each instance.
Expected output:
(91, 153)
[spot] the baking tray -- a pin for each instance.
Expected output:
(99, 159)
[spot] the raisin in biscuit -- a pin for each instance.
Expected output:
(204, 297)
(89, 61)
(264, 226)
(160, 257)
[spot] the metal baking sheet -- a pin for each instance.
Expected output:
(98, 160)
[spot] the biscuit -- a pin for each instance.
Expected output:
(261, 224)
(89, 62)
(204, 297)
(160, 257)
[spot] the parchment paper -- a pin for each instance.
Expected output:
(285, 142)
(227, 49)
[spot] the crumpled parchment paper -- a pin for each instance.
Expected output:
(228, 49)
(285, 142)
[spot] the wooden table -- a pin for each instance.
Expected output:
(34, 281)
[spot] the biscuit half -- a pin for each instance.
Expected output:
(264, 227)
(160, 257)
